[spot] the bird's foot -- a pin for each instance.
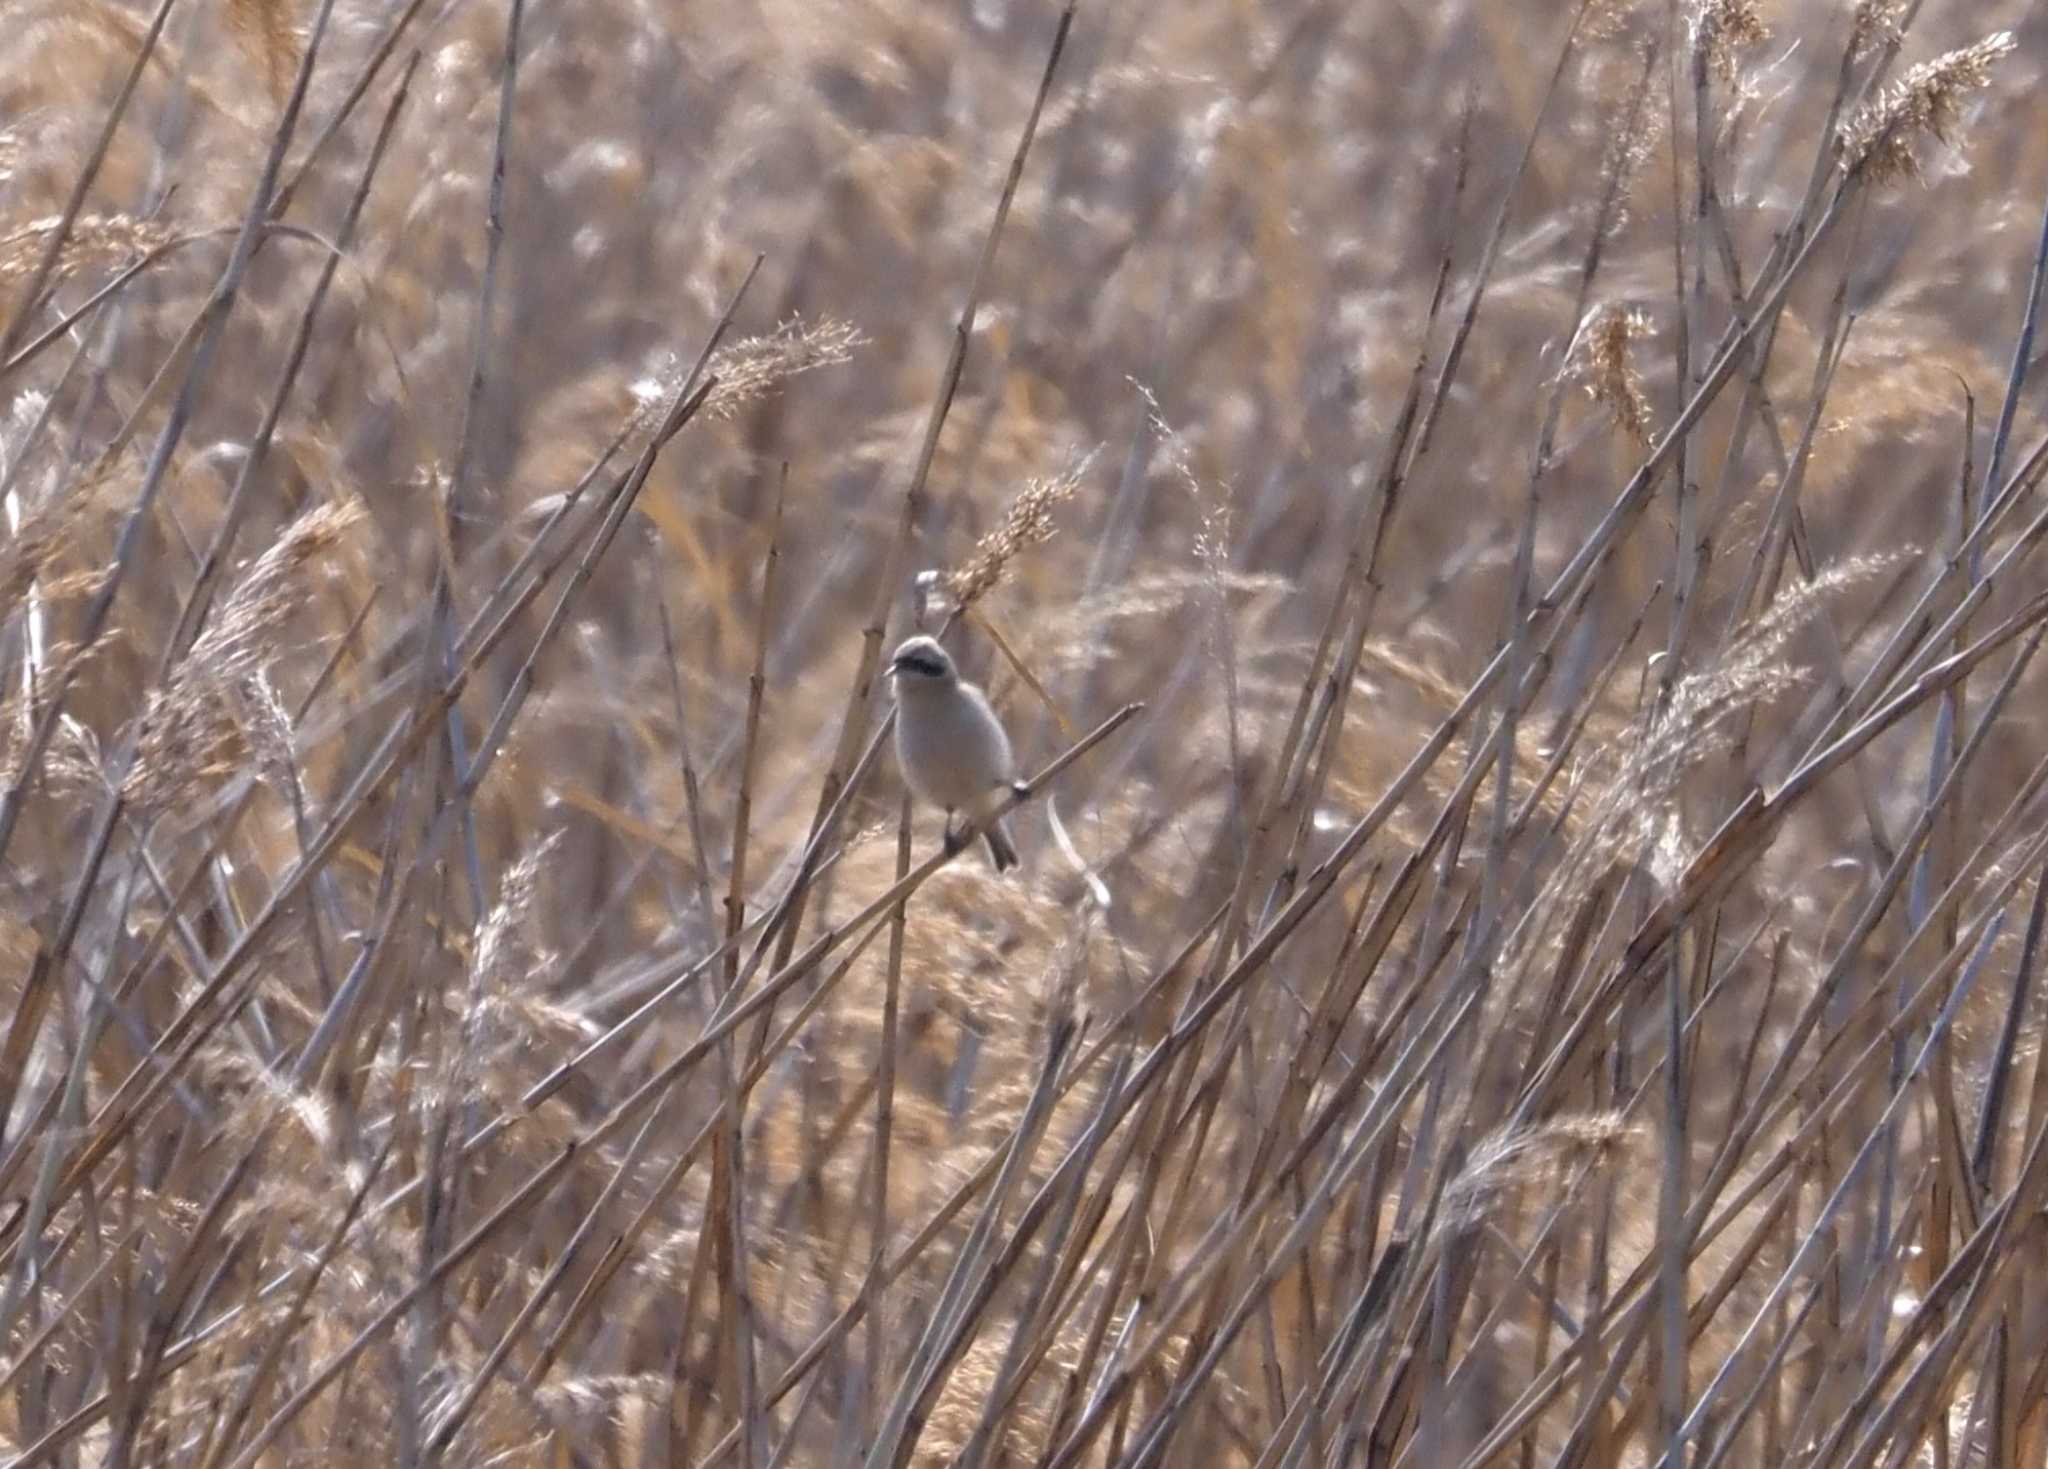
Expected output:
(954, 839)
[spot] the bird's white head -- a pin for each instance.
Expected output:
(920, 661)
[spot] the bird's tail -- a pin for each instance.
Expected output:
(1001, 850)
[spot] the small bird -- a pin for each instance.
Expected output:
(949, 743)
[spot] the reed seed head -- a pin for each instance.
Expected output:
(1879, 140)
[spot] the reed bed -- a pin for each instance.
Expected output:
(1505, 537)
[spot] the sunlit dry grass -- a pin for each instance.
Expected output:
(1504, 537)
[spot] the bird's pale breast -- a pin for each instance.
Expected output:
(951, 746)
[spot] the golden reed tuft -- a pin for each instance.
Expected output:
(1879, 141)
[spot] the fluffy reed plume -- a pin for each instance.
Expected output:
(1879, 140)
(1879, 23)
(264, 28)
(958, 1412)
(508, 1022)
(195, 728)
(1721, 29)
(74, 758)
(1606, 19)
(38, 524)
(1555, 1156)
(289, 1116)
(750, 369)
(1629, 809)
(1605, 358)
(1633, 131)
(1030, 519)
(96, 241)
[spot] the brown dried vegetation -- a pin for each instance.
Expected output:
(1550, 976)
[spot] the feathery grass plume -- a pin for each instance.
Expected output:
(18, 711)
(1075, 638)
(307, 1118)
(590, 1404)
(495, 937)
(750, 369)
(1214, 508)
(41, 526)
(1878, 23)
(165, 1218)
(194, 726)
(1878, 141)
(1633, 131)
(1556, 1153)
(1213, 505)
(1212, 539)
(96, 240)
(1605, 358)
(1721, 28)
(1028, 521)
(1606, 19)
(503, 965)
(269, 731)
(43, 531)
(76, 761)
(959, 1405)
(1634, 816)
(265, 29)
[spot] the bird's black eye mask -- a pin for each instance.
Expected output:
(919, 663)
